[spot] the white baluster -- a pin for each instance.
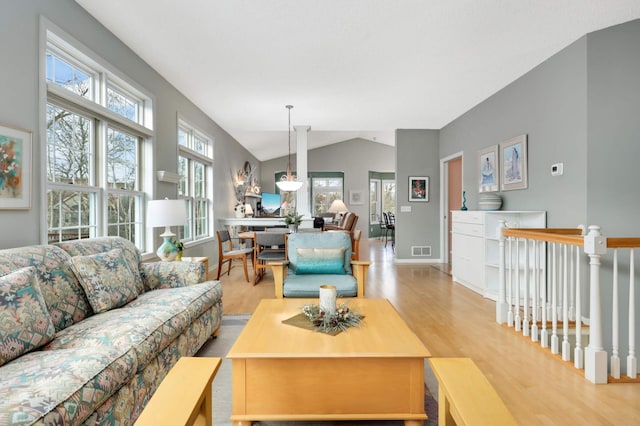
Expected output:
(615, 315)
(525, 306)
(501, 305)
(632, 361)
(572, 294)
(544, 340)
(595, 246)
(510, 285)
(566, 346)
(536, 291)
(518, 319)
(554, 302)
(578, 354)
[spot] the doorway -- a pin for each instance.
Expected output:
(382, 198)
(451, 178)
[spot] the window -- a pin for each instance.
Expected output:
(95, 146)
(195, 167)
(325, 189)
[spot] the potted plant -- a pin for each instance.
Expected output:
(293, 220)
(180, 246)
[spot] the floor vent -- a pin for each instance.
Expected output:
(424, 251)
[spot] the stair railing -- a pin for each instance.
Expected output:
(540, 288)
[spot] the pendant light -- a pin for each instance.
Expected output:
(289, 185)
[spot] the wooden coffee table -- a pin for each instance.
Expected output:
(371, 372)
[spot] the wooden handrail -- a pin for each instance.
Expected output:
(571, 236)
(623, 242)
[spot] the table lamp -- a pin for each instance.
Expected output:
(248, 210)
(339, 208)
(166, 213)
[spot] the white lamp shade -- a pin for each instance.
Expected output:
(338, 206)
(289, 185)
(166, 213)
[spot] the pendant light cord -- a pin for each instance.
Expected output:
(289, 157)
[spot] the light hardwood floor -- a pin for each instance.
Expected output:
(455, 322)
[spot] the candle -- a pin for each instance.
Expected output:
(328, 299)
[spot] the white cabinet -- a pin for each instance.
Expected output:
(475, 249)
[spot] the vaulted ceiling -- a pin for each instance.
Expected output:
(351, 68)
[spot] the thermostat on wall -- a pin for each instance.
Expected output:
(557, 169)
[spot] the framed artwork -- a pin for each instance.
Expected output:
(419, 188)
(513, 156)
(15, 168)
(356, 197)
(488, 165)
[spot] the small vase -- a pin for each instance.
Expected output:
(179, 256)
(293, 228)
(239, 210)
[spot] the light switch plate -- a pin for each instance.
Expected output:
(405, 209)
(557, 169)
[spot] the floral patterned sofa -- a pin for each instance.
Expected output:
(88, 332)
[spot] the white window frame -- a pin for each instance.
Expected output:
(205, 158)
(64, 46)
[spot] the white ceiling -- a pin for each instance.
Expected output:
(351, 68)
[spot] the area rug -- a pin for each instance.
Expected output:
(231, 327)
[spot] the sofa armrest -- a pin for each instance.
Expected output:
(172, 274)
(280, 270)
(360, 268)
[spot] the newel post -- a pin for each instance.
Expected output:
(595, 368)
(501, 304)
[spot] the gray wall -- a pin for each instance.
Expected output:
(19, 82)
(549, 105)
(354, 157)
(417, 154)
(614, 129)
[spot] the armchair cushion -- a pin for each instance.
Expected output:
(320, 260)
(308, 285)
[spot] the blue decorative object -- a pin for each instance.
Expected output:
(464, 201)
(167, 250)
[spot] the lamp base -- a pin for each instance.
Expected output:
(167, 252)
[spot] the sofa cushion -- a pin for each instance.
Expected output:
(320, 260)
(25, 323)
(107, 279)
(146, 325)
(65, 298)
(103, 244)
(309, 285)
(79, 379)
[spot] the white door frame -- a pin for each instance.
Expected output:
(444, 201)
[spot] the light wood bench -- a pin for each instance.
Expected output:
(465, 396)
(184, 396)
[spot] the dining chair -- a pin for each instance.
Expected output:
(226, 254)
(355, 244)
(270, 247)
(391, 227)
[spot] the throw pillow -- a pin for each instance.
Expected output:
(106, 278)
(25, 323)
(320, 261)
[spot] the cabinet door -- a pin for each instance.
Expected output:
(467, 265)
